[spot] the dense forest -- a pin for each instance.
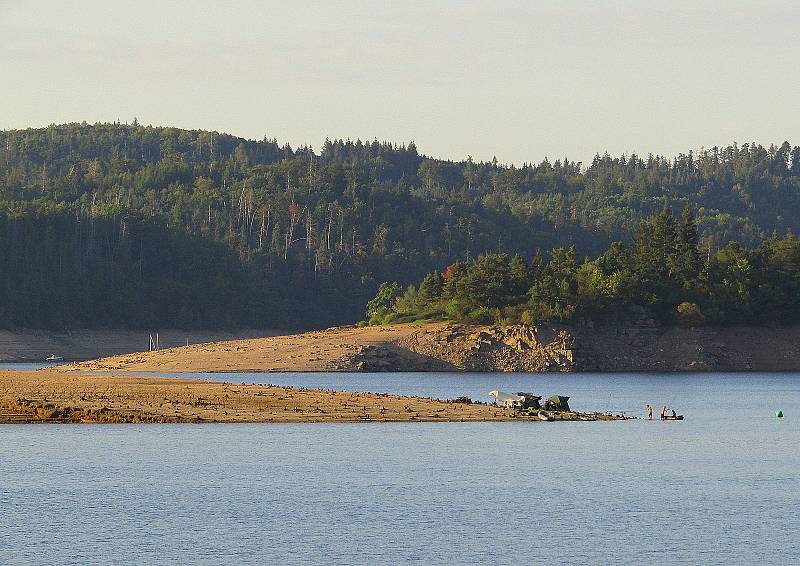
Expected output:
(662, 276)
(123, 225)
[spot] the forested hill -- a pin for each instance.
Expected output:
(118, 225)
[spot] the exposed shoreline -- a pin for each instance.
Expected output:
(108, 390)
(332, 349)
(45, 396)
(448, 347)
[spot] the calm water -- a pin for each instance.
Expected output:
(26, 365)
(720, 487)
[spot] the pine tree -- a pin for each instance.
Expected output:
(687, 262)
(520, 276)
(431, 287)
(664, 240)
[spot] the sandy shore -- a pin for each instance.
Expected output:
(332, 349)
(46, 396)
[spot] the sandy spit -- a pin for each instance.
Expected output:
(57, 397)
(324, 350)
(46, 396)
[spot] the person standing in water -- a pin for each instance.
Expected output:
(663, 412)
(649, 412)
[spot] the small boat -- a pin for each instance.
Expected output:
(675, 418)
(54, 358)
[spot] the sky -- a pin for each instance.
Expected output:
(517, 80)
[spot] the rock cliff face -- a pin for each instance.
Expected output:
(467, 348)
(638, 348)
(584, 348)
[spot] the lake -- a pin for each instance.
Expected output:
(720, 487)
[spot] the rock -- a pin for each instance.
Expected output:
(494, 348)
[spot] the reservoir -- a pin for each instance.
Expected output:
(720, 487)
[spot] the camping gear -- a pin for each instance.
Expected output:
(557, 403)
(530, 401)
(506, 399)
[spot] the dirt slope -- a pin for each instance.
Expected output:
(333, 349)
(409, 347)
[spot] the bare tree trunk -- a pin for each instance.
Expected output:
(328, 231)
(309, 230)
(341, 229)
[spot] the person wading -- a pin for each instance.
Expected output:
(649, 412)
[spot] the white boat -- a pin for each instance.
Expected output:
(54, 358)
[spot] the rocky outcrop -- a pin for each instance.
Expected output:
(608, 347)
(670, 349)
(488, 348)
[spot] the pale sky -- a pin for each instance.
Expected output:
(519, 80)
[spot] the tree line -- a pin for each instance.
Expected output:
(134, 226)
(662, 276)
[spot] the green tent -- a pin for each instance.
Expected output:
(557, 403)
